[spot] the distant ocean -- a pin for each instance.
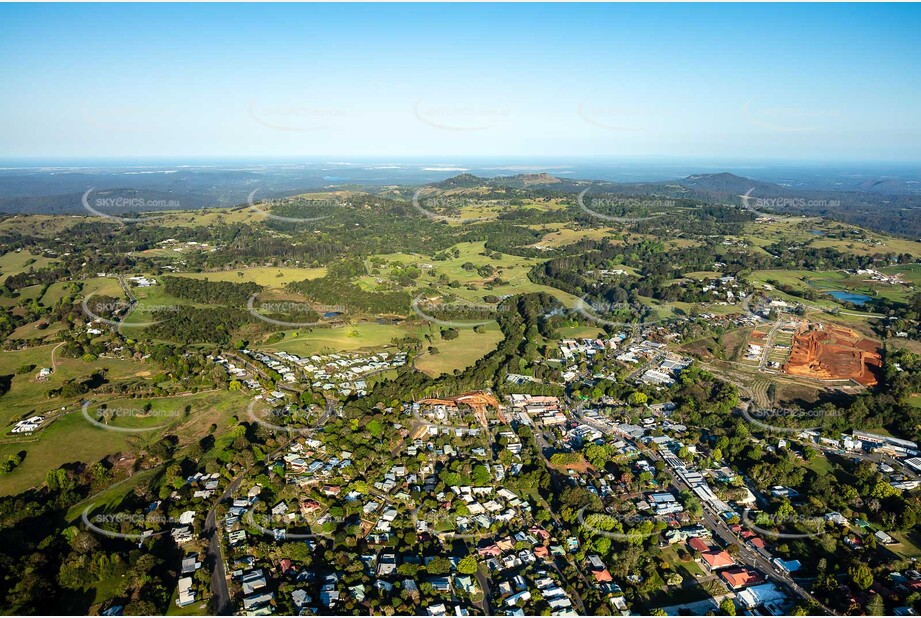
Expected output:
(237, 176)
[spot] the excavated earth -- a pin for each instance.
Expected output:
(828, 352)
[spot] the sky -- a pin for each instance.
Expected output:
(390, 81)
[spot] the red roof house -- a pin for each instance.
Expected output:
(739, 578)
(715, 559)
(698, 544)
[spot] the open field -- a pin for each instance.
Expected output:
(28, 394)
(41, 225)
(819, 233)
(580, 332)
(559, 236)
(34, 330)
(16, 262)
(822, 282)
(267, 277)
(71, 438)
(32, 292)
(512, 270)
(105, 286)
(344, 338)
(910, 272)
(461, 352)
(149, 300)
(869, 244)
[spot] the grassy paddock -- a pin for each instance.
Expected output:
(267, 277)
(462, 352)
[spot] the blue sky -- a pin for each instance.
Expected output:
(793, 82)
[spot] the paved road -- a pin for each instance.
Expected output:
(769, 344)
(222, 604)
(718, 526)
(746, 555)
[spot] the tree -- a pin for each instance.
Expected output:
(876, 607)
(861, 575)
(438, 566)
(728, 607)
(637, 398)
(467, 565)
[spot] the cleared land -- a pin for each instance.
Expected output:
(268, 277)
(461, 352)
(828, 352)
(511, 270)
(344, 338)
(16, 262)
(71, 438)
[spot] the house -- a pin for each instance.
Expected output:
(410, 587)
(789, 566)
(280, 509)
(285, 566)
(190, 564)
(28, 425)
(757, 596)
(698, 544)
(716, 559)
(602, 576)
(182, 534)
(883, 538)
(465, 583)
(186, 594)
(253, 581)
(440, 584)
(300, 598)
(738, 578)
(259, 601)
(524, 595)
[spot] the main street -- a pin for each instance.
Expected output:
(714, 521)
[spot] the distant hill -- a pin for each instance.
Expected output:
(518, 181)
(461, 181)
(725, 183)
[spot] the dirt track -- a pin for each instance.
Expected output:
(827, 352)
